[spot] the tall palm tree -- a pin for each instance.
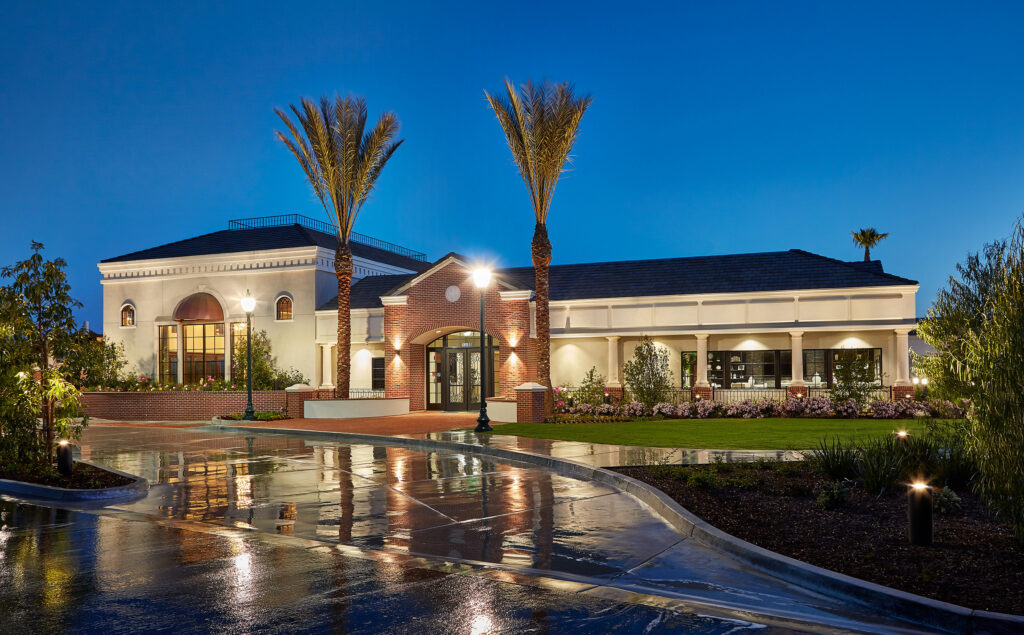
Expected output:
(541, 123)
(342, 162)
(867, 238)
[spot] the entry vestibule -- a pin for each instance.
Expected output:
(454, 373)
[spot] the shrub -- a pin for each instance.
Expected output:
(848, 409)
(664, 409)
(879, 465)
(266, 375)
(633, 409)
(647, 374)
(832, 494)
(591, 390)
(794, 407)
(835, 459)
(855, 377)
(884, 409)
(705, 409)
(947, 502)
(607, 409)
(702, 480)
(818, 407)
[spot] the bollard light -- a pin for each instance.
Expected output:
(919, 514)
(607, 398)
(65, 458)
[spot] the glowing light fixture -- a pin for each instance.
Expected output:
(924, 381)
(919, 486)
(482, 277)
(248, 302)
(917, 380)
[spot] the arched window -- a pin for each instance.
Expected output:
(127, 315)
(284, 308)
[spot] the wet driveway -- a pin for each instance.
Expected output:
(271, 533)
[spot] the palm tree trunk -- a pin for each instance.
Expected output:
(867, 254)
(343, 269)
(541, 248)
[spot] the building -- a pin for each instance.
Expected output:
(766, 323)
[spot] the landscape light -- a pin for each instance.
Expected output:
(902, 434)
(917, 380)
(919, 514)
(924, 381)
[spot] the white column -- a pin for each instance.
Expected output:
(613, 361)
(327, 372)
(796, 339)
(902, 357)
(702, 360)
(180, 344)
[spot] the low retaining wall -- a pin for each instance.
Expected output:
(177, 405)
(502, 410)
(354, 408)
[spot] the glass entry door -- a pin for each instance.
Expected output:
(462, 379)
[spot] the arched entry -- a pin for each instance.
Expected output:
(202, 321)
(453, 371)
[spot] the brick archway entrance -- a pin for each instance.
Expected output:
(457, 374)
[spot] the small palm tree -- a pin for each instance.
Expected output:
(342, 162)
(541, 123)
(867, 238)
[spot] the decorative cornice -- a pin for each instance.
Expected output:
(394, 300)
(519, 294)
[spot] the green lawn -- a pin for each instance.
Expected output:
(732, 434)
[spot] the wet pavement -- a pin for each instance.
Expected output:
(263, 532)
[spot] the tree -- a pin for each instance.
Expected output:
(541, 123)
(265, 373)
(591, 390)
(867, 238)
(95, 362)
(854, 378)
(993, 362)
(37, 310)
(958, 314)
(648, 375)
(342, 161)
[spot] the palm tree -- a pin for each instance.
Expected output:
(867, 238)
(541, 123)
(342, 162)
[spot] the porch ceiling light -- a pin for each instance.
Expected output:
(248, 302)
(482, 277)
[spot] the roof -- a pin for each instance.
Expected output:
(230, 241)
(737, 273)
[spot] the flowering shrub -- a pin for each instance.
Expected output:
(633, 409)
(846, 409)
(606, 409)
(818, 407)
(665, 409)
(705, 409)
(794, 407)
(884, 409)
(145, 384)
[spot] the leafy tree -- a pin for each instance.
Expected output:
(993, 361)
(342, 161)
(541, 123)
(592, 388)
(648, 375)
(959, 313)
(36, 311)
(95, 362)
(854, 378)
(867, 238)
(265, 373)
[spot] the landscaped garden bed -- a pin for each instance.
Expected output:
(800, 510)
(84, 476)
(272, 415)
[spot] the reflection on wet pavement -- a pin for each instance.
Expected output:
(268, 532)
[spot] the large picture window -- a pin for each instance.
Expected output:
(820, 364)
(167, 373)
(750, 369)
(204, 352)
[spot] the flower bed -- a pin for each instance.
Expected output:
(815, 407)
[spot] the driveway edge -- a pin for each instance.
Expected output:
(908, 606)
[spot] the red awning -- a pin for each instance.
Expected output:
(199, 307)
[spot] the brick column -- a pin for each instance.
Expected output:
(530, 403)
(703, 393)
(902, 392)
(295, 399)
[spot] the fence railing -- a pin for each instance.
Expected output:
(281, 220)
(735, 395)
(881, 393)
(353, 393)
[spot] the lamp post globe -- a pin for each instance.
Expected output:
(482, 278)
(248, 305)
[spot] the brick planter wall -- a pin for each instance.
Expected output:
(176, 405)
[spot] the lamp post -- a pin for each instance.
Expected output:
(482, 278)
(248, 304)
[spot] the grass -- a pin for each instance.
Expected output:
(732, 434)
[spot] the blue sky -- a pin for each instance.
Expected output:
(715, 127)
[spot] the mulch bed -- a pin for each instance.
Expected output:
(82, 477)
(974, 560)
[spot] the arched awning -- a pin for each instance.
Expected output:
(199, 307)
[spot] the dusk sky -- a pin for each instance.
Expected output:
(715, 128)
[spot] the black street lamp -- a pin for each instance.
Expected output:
(482, 278)
(248, 304)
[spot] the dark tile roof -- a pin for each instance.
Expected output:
(739, 273)
(230, 241)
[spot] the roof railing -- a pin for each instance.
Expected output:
(283, 220)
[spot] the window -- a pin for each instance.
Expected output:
(870, 358)
(284, 308)
(168, 346)
(127, 315)
(688, 369)
(204, 352)
(816, 374)
(377, 373)
(750, 369)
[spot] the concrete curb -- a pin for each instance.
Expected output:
(910, 607)
(138, 487)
